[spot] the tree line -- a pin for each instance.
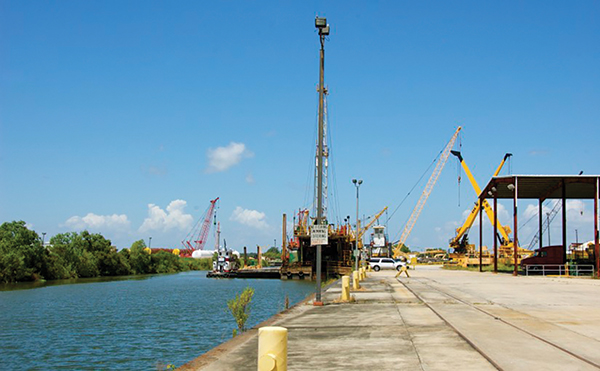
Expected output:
(78, 255)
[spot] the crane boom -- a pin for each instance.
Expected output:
(370, 224)
(502, 230)
(366, 227)
(428, 188)
(198, 236)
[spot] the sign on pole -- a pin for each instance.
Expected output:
(319, 235)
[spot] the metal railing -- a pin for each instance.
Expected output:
(559, 270)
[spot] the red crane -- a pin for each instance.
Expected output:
(196, 239)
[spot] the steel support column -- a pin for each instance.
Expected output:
(564, 222)
(480, 239)
(597, 249)
(495, 234)
(515, 226)
(540, 221)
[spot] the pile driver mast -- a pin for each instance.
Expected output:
(428, 188)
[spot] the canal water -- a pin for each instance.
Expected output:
(138, 323)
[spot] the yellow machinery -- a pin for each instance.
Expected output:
(460, 242)
(428, 188)
(369, 225)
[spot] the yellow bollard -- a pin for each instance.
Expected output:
(345, 288)
(272, 348)
(364, 272)
(355, 284)
(363, 275)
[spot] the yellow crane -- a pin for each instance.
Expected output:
(459, 242)
(428, 188)
(369, 225)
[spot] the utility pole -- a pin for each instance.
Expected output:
(323, 27)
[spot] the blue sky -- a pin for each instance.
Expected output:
(127, 118)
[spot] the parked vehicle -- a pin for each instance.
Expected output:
(385, 263)
(544, 256)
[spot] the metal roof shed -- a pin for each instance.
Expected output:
(543, 187)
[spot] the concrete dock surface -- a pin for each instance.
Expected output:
(435, 320)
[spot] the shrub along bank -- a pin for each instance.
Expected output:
(79, 255)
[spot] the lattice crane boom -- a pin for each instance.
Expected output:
(196, 239)
(428, 188)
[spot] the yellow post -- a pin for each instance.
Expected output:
(363, 275)
(272, 348)
(364, 271)
(345, 288)
(355, 284)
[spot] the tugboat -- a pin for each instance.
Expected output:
(225, 266)
(225, 262)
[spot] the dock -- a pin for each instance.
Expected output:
(268, 272)
(435, 320)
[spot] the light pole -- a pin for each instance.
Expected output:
(323, 27)
(43, 238)
(357, 184)
(149, 242)
(548, 219)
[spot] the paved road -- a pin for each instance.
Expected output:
(436, 320)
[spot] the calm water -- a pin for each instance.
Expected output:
(132, 324)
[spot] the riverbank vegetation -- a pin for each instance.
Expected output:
(80, 255)
(239, 307)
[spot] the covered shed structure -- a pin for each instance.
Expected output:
(541, 188)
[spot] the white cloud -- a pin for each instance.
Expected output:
(173, 218)
(249, 179)
(98, 222)
(222, 158)
(252, 218)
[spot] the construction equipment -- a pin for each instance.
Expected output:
(369, 225)
(428, 188)
(196, 238)
(460, 242)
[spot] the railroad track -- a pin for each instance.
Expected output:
(522, 341)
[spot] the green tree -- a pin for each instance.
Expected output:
(165, 262)
(405, 249)
(272, 253)
(21, 253)
(61, 258)
(239, 307)
(139, 259)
